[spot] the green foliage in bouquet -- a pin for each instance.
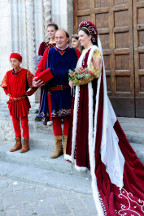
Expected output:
(81, 76)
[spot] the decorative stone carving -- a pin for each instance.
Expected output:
(38, 23)
(47, 15)
(30, 34)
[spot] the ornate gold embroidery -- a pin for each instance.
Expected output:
(95, 63)
(62, 112)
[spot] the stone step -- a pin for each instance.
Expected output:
(139, 149)
(46, 141)
(36, 167)
(46, 178)
(41, 136)
(133, 127)
(6, 126)
(39, 158)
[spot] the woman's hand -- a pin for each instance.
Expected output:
(71, 84)
(37, 83)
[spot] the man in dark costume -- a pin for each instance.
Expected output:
(58, 60)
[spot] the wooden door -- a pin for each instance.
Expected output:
(138, 20)
(114, 21)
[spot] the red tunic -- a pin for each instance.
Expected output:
(15, 85)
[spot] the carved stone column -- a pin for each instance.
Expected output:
(30, 34)
(38, 23)
(18, 29)
(5, 43)
(22, 38)
(47, 15)
(15, 25)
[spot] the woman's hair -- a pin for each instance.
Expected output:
(75, 36)
(53, 25)
(85, 30)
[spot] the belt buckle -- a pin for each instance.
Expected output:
(61, 87)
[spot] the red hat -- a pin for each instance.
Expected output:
(91, 29)
(16, 56)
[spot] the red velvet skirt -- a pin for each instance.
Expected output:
(81, 148)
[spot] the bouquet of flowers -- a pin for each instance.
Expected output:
(81, 76)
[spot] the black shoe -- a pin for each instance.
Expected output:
(38, 118)
(37, 111)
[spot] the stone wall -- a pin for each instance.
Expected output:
(5, 41)
(23, 27)
(62, 14)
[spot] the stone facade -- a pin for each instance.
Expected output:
(23, 27)
(5, 41)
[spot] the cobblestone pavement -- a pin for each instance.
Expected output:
(24, 199)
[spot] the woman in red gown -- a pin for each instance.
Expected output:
(51, 29)
(97, 142)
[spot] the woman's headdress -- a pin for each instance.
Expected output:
(75, 36)
(91, 29)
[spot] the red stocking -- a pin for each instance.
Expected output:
(16, 125)
(57, 129)
(25, 127)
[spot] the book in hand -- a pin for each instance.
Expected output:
(44, 75)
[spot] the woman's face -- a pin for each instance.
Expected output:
(51, 31)
(84, 39)
(75, 43)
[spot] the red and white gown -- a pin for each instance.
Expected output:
(97, 142)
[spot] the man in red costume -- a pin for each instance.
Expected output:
(15, 84)
(56, 61)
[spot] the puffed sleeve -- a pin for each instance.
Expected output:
(29, 78)
(78, 53)
(95, 64)
(29, 81)
(41, 49)
(4, 84)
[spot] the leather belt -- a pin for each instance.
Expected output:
(16, 99)
(58, 88)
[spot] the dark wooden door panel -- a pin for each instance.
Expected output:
(120, 24)
(138, 12)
